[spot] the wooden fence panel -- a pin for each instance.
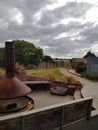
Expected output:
(48, 118)
(11, 124)
(44, 120)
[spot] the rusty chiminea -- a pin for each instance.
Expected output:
(10, 86)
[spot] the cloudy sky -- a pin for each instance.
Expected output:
(62, 28)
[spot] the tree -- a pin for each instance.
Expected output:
(2, 59)
(89, 54)
(47, 59)
(26, 53)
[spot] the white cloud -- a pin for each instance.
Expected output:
(61, 36)
(88, 1)
(92, 15)
(94, 48)
(16, 15)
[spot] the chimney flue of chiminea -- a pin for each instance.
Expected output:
(10, 59)
(10, 86)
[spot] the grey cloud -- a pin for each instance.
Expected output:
(25, 4)
(43, 30)
(90, 34)
(26, 7)
(71, 9)
(65, 46)
(76, 9)
(62, 28)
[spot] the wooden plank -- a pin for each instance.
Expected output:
(89, 109)
(11, 124)
(42, 120)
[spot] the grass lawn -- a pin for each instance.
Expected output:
(43, 72)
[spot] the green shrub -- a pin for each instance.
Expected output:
(92, 76)
(81, 69)
(84, 74)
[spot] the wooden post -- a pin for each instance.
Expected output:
(22, 123)
(89, 109)
(62, 118)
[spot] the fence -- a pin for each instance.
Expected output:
(54, 117)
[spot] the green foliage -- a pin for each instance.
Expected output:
(27, 53)
(93, 76)
(89, 54)
(81, 69)
(47, 59)
(83, 74)
(2, 59)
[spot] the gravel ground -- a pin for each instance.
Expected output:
(45, 98)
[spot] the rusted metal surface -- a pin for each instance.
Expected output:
(16, 105)
(11, 87)
(10, 59)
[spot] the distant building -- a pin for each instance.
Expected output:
(75, 61)
(56, 63)
(92, 65)
(62, 63)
